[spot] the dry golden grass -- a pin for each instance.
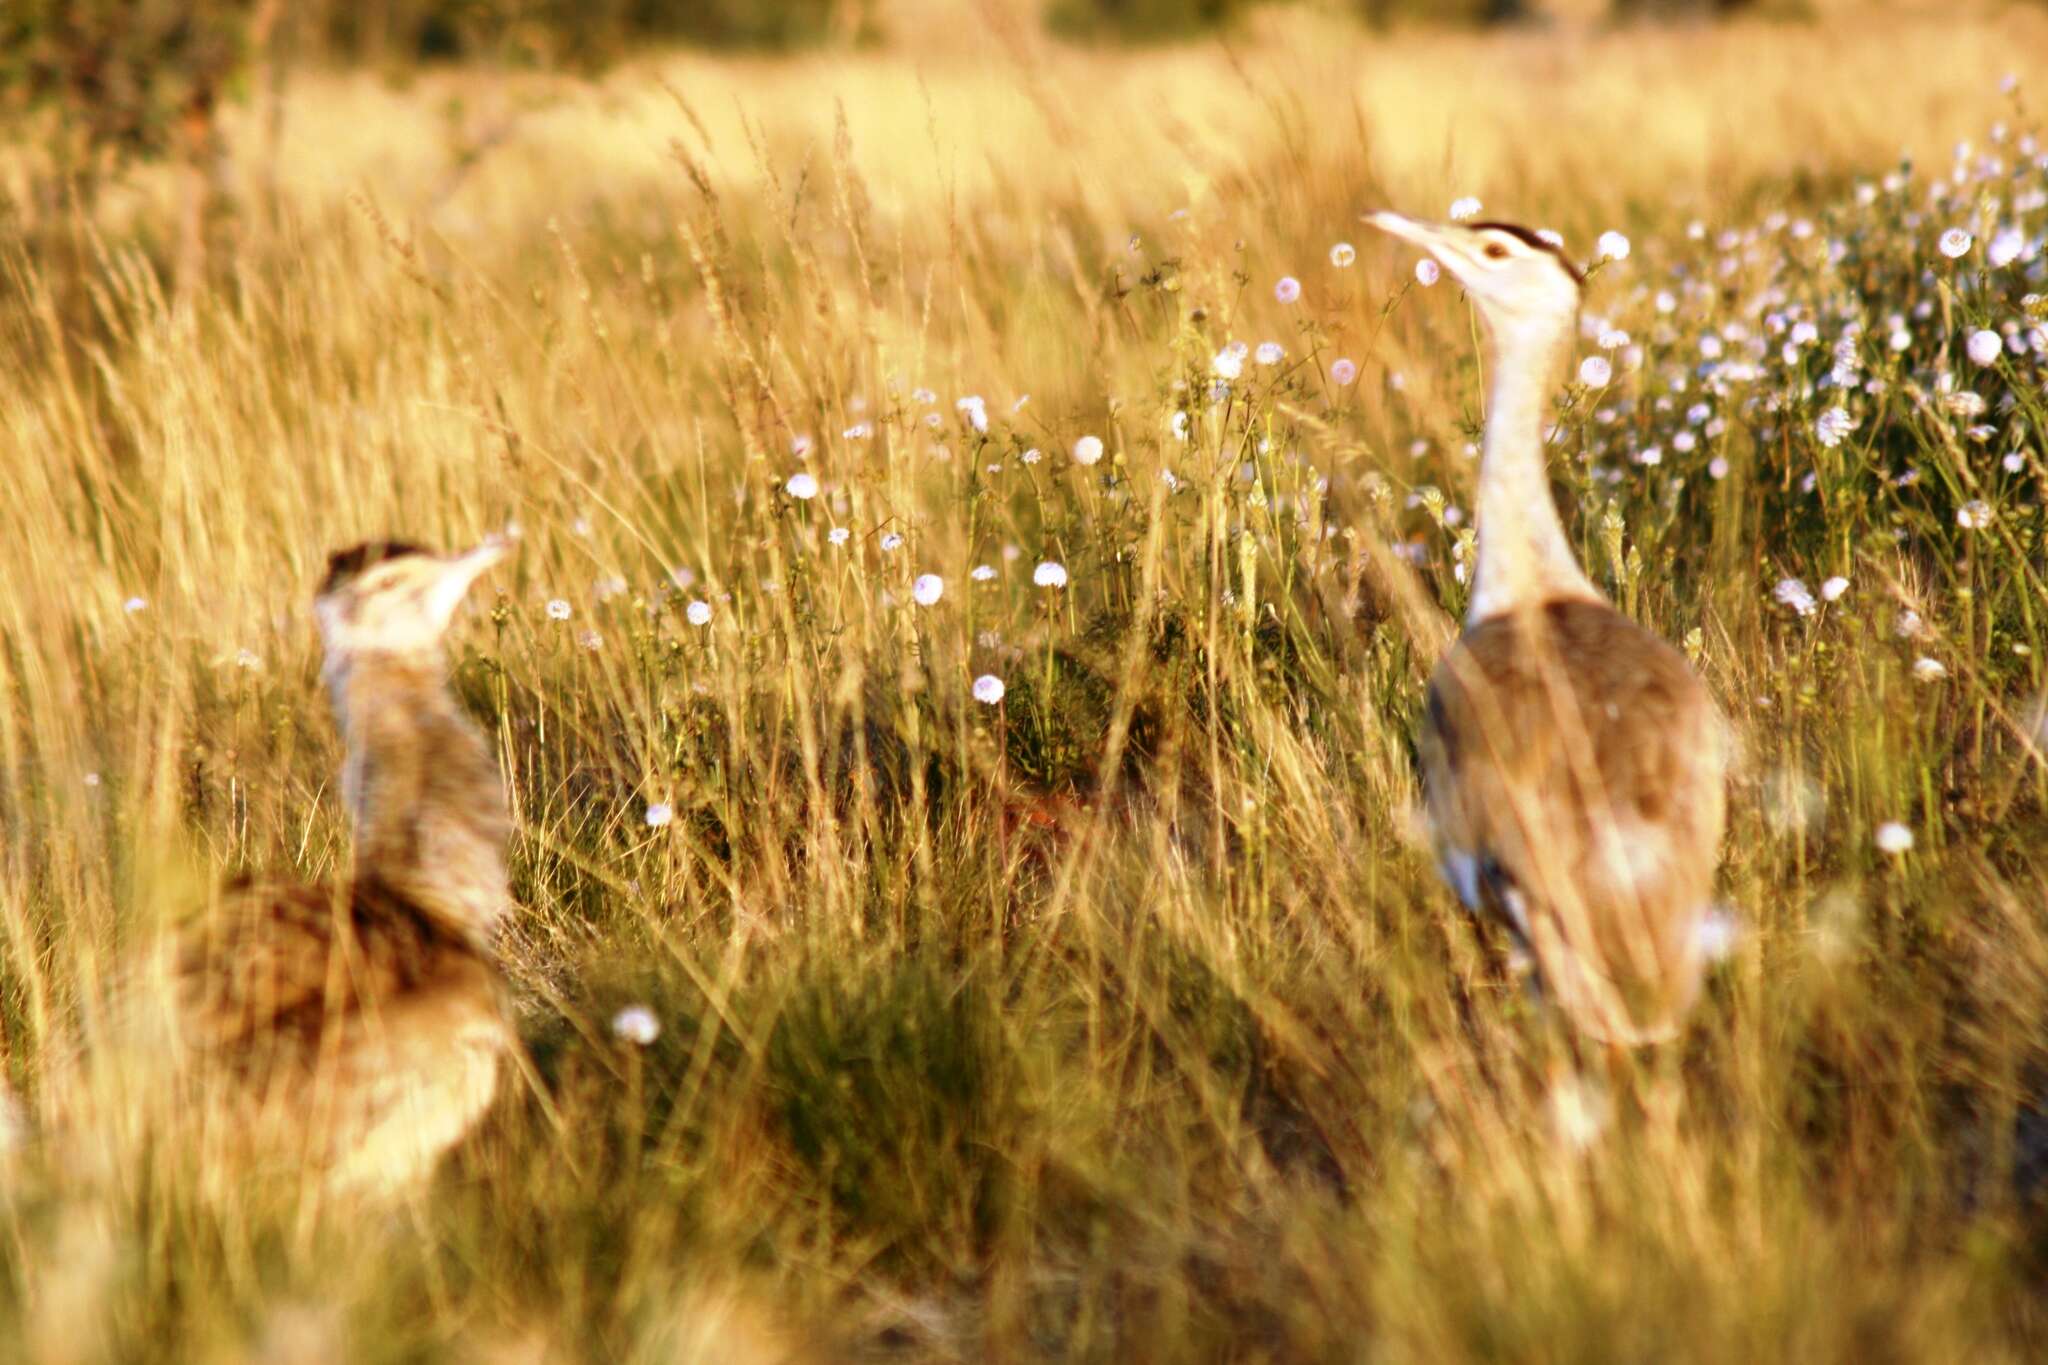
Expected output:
(976, 1043)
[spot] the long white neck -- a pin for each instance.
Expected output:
(1524, 558)
(423, 790)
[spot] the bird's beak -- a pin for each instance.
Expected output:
(1428, 236)
(459, 571)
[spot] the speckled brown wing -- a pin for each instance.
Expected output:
(350, 1022)
(1574, 770)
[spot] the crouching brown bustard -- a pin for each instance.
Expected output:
(1573, 765)
(357, 1030)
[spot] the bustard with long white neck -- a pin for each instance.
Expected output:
(357, 1030)
(1574, 766)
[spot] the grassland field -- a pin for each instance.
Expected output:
(1124, 1019)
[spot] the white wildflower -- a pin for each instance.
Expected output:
(1831, 589)
(1595, 372)
(1088, 450)
(1342, 255)
(659, 813)
(1985, 346)
(989, 689)
(802, 485)
(1892, 837)
(636, 1024)
(1287, 289)
(1612, 246)
(1955, 243)
(1832, 427)
(1464, 208)
(698, 613)
(1793, 593)
(927, 589)
(1050, 574)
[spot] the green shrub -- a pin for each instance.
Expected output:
(1140, 19)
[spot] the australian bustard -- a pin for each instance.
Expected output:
(357, 1030)
(1573, 765)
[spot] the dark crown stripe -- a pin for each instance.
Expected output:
(1529, 238)
(345, 565)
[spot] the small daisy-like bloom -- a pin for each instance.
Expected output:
(1342, 255)
(983, 573)
(989, 689)
(1428, 272)
(1088, 450)
(2005, 247)
(974, 410)
(249, 659)
(1974, 515)
(1612, 246)
(698, 613)
(1899, 340)
(838, 535)
(1908, 625)
(1613, 339)
(1650, 455)
(927, 589)
(1832, 427)
(558, 610)
(1928, 669)
(1226, 364)
(591, 641)
(1288, 289)
(1717, 468)
(659, 813)
(1465, 207)
(802, 486)
(1344, 370)
(800, 445)
(1955, 243)
(1177, 425)
(1050, 574)
(1552, 236)
(891, 541)
(1832, 589)
(637, 1025)
(859, 431)
(92, 779)
(1032, 456)
(1791, 592)
(1892, 837)
(2013, 462)
(1804, 334)
(1270, 353)
(1985, 346)
(1595, 372)
(135, 604)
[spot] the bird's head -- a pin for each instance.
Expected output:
(1519, 280)
(390, 597)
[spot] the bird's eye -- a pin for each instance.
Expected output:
(1496, 252)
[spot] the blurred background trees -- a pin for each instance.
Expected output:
(97, 85)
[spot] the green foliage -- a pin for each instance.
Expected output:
(1141, 20)
(125, 78)
(582, 33)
